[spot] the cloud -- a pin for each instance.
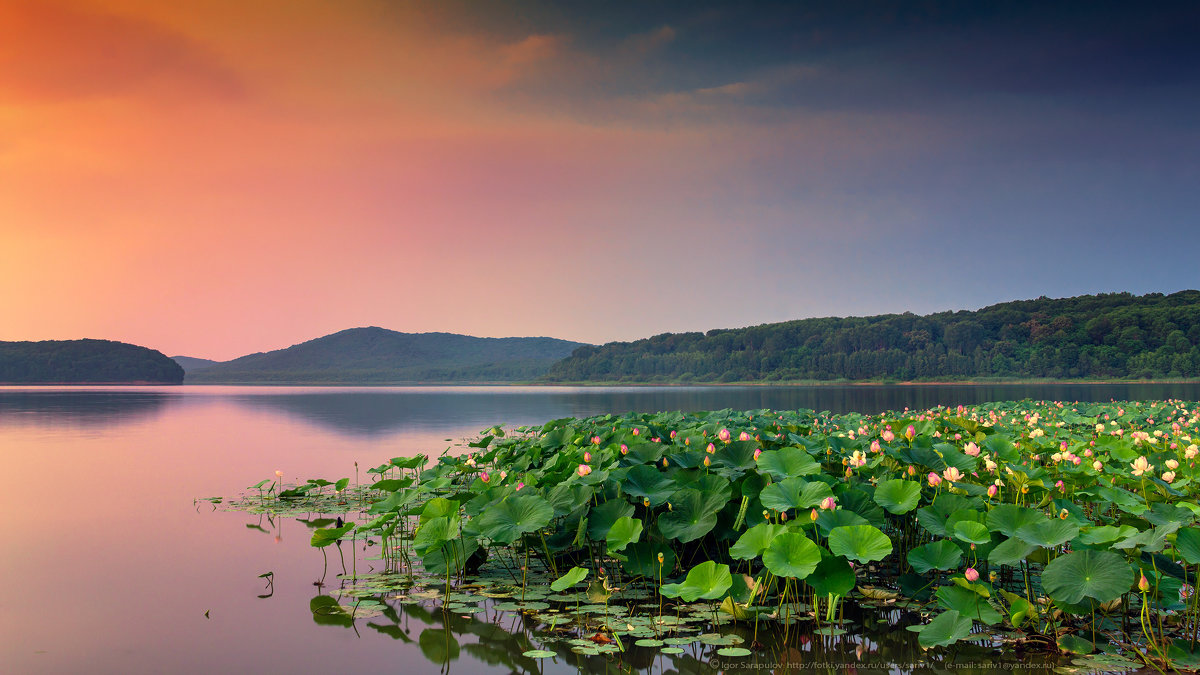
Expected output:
(51, 51)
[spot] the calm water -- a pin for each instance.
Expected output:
(110, 565)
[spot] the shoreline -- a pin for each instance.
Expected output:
(797, 384)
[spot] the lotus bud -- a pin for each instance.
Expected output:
(279, 474)
(624, 449)
(934, 479)
(971, 574)
(783, 517)
(992, 490)
(849, 473)
(1062, 515)
(595, 440)
(912, 470)
(520, 485)
(1098, 465)
(673, 433)
(664, 462)
(828, 503)
(660, 558)
(707, 461)
(743, 436)
(587, 456)
(646, 502)
(888, 436)
(992, 576)
(484, 477)
(635, 431)
(724, 435)
(813, 515)
(875, 447)
(710, 449)
(1143, 583)
(757, 454)
(910, 433)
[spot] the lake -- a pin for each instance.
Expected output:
(115, 564)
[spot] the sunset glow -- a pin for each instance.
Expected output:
(219, 178)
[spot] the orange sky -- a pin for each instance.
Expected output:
(216, 178)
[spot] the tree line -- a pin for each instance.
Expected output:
(1116, 335)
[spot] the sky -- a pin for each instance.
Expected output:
(214, 178)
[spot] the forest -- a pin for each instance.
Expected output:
(1106, 336)
(85, 362)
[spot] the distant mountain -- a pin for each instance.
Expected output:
(85, 362)
(380, 356)
(1116, 335)
(191, 363)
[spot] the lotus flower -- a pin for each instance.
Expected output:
(724, 435)
(858, 458)
(635, 431)
(743, 436)
(828, 503)
(910, 433)
(972, 449)
(1168, 476)
(520, 485)
(624, 449)
(673, 432)
(934, 479)
(710, 449)
(1191, 451)
(1141, 465)
(587, 456)
(813, 515)
(971, 574)
(1171, 464)
(1143, 583)
(1098, 465)
(595, 440)
(875, 446)
(584, 470)
(952, 474)
(485, 477)
(707, 461)
(887, 436)
(992, 490)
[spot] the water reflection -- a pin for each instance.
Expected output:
(79, 408)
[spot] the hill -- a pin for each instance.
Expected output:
(85, 362)
(1115, 335)
(380, 356)
(191, 363)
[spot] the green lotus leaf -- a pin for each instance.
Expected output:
(433, 534)
(794, 493)
(647, 481)
(514, 516)
(706, 581)
(1187, 542)
(692, 515)
(572, 577)
(1010, 552)
(325, 537)
(601, 518)
(945, 629)
(754, 541)
(969, 603)
(939, 555)
(861, 543)
(1008, 518)
(641, 559)
(623, 532)
(792, 555)
(833, 576)
(1048, 533)
(787, 463)
(827, 521)
(1102, 576)
(898, 496)
(972, 532)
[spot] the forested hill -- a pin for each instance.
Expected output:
(380, 356)
(85, 362)
(1091, 336)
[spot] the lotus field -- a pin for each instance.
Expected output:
(1058, 526)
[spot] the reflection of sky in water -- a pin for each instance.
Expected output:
(112, 565)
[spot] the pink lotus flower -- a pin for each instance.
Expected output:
(1168, 476)
(673, 432)
(584, 470)
(910, 433)
(934, 479)
(1140, 466)
(757, 454)
(992, 490)
(1143, 583)
(971, 574)
(724, 435)
(743, 436)
(635, 431)
(710, 449)
(520, 485)
(875, 446)
(595, 440)
(952, 474)
(972, 449)
(813, 515)
(624, 449)
(587, 456)
(828, 503)
(887, 436)
(485, 477)
(1171, 464)
(1098, 465)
